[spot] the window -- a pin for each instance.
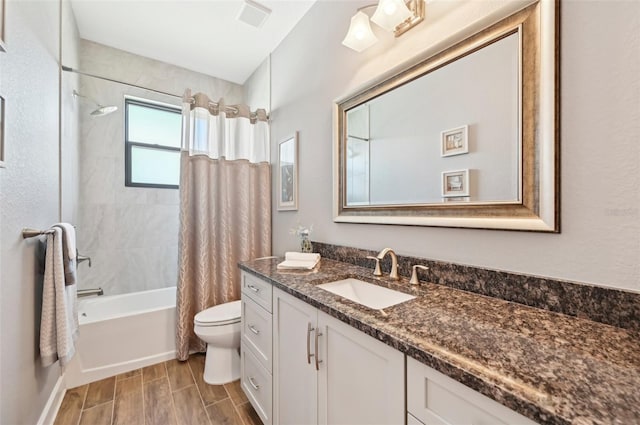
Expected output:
(152, 144)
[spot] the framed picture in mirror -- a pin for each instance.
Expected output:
(455, 183)
(288, 174)
(455, 141)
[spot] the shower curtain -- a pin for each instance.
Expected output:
(225, 206)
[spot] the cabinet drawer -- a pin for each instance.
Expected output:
(257, 289)
(436, 399)
(257, 330)
(256, 383)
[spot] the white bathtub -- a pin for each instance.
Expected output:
(119, 333)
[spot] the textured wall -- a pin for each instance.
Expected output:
(130, 233)
(600, 239)
(28, 198)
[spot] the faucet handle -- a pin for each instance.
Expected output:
(377, 271)
(414, 274)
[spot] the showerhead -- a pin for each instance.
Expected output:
(101, 110)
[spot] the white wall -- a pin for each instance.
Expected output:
(257, 88)
(130, 233)
(600, 127)
(28, 198)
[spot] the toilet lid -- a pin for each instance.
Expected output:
(221, 314)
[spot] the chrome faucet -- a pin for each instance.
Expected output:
(394, 262)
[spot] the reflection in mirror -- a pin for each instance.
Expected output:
(465, 138)
(395, 141)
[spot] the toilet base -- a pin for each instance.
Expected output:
(221, 366)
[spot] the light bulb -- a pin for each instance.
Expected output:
(359, 36)
(390, 8)
(391, 13)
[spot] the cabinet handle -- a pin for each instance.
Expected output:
(253, 329)
(253, 288)
(318, 361)
(253, 384)
(309, 355)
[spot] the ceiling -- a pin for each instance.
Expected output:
(200, 35)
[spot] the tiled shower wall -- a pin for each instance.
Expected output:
(131, 234)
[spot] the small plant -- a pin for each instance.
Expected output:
(303, 233)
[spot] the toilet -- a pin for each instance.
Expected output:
(219, 327)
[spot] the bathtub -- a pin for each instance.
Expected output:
(119, 333)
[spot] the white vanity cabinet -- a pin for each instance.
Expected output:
(326, 372)
(256, 345)
(301, 366)
(436, 399)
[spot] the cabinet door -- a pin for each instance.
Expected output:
(294, 373)
(361, 380)
(436, 399)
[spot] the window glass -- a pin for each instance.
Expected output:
(152, 143)
(153, 125)
(155, 166)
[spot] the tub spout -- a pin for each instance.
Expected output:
(89, 292)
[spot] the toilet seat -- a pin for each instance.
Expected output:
(219, 315)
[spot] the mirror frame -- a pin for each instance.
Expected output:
(538, 208)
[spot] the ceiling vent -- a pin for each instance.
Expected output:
(253, 13)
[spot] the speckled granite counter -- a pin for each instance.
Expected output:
(552, 368)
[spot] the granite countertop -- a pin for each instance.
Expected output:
(552, 368)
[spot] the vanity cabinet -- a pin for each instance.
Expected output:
(256, 345)
(300, 366)
(436, 399)
(326, 372)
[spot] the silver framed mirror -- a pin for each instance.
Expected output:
(465, 138)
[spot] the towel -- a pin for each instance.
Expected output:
(69, 252)
(299, 260)
(59, 320)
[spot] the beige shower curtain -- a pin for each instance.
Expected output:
(225, 206)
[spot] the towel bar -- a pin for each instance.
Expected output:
(28, 232)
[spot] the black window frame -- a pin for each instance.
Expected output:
(128, 144)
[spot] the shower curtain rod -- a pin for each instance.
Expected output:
(191, 99)
(68, 69)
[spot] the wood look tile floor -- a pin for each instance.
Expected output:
(169, 393)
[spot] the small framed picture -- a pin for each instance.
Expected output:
(455, 183)
(455, 141)
(288, 174)
(2, 132)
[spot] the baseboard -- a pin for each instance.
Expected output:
(48, 415)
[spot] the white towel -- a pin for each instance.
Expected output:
(299, 260)
(59, 320)
(69, 252)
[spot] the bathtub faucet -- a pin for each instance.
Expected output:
(89, 292)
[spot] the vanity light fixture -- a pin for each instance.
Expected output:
(392, 15)
(359, 36)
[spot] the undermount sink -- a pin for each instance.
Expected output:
(365, 293)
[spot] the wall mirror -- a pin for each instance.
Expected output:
(465, 138)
